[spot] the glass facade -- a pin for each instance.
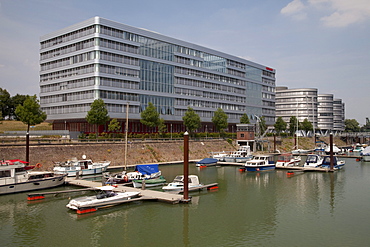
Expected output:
(305, 103)
(103, 59)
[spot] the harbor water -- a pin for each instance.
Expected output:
(248, 209)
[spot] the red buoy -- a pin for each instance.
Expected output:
(31, 198)
(290, 174)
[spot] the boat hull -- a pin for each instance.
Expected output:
(366, 157)
(95, 202)
(35, 184)
(179, 189)
(259, 168)
(83, 172)
(148, 183)
(237, 159)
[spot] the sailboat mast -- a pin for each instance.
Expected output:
(126, 131)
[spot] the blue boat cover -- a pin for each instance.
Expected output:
(207, 161)
(326, 160)
(147, 169)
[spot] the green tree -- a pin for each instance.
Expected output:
(161, 126)
(366, 127)
(219, 119)
(293, 125)
(280, 125)
(244, 119)
(351, 125)
(30, 112)
(16, 100)
(114, 126)
(5, 102)
(98, 114)
(263, 125)
(150, 116)
(306, 125)
(191, 120)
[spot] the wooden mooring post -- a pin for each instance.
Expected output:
(186, 166)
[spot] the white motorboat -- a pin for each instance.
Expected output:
(336, 150)
(219, 155)
(178, 183)
(148, 171)
(313, 161)
(106, 197)
(358, 148)
(243, 154)
(287, 160)
(81, 167)
(260, 163)
(300, 151)
(320, 146)
(365, 154)
(337, 163)
(14, 178)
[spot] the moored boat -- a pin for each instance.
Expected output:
(337, 163)
(320, 146)
(207, 162)
(152, 182)
(147, 171)
(107, 197)
(82, 167)
(336, 150)
(219, 155)
(178, 183)
(243, 154)
(287, 160)
(16, 178)
(365, 154)
(313, 161)
(358, 147)
(260, 163)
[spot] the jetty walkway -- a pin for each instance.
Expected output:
(169, 197)
(145, 194)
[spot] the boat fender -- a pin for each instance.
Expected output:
(125, 178)
(38, 165)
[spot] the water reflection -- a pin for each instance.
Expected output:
(249, 209)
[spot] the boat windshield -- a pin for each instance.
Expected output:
(311, 159)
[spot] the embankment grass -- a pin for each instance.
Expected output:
(10, 125)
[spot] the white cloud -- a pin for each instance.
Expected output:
(295, 9)
(345, 12)
(338, 13)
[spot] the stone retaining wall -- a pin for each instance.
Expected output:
(138, 153)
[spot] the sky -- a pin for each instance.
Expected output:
(323, 44)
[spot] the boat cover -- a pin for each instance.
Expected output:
(366, 151)
(207, 161)
(147, 169)
(326, 160)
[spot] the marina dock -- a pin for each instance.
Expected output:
(169, 197)
(145, 194)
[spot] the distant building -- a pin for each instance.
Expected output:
(322, 110)
(120, 64)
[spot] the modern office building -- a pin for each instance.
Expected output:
(124, 65)
(300, 102)
(338, 115)
(325, 111)
(322, 110)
